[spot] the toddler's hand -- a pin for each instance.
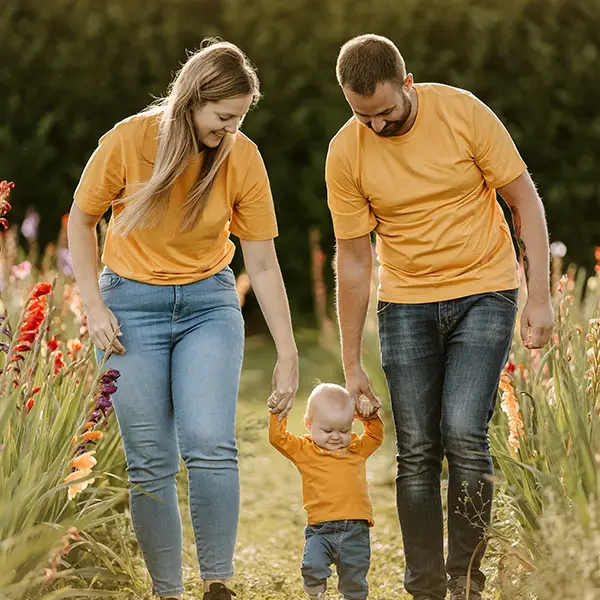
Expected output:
(365, 408)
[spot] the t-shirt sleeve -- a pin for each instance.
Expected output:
(372, 438)
(287, 443)
(493, 148)
(103, 179)
(253, 214)
(350, 210)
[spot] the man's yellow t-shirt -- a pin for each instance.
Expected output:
(240, 202)
(430, 197)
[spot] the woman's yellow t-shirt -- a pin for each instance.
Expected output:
(240, 202)
(430, 197)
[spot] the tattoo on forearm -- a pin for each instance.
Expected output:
(516, 217)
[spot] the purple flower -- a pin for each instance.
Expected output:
(113, 374)
(108, 388)
(4, 347)
(96, 414)
(29, 227)
(103, 403)
(63, 258)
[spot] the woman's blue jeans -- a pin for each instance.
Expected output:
(177, 397)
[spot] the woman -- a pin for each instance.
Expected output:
(180, 178)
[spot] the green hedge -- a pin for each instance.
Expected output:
(69, 69)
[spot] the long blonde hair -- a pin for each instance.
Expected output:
(218, 71)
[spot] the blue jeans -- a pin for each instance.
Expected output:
(343, 543)
(177, 397)
(442, 362)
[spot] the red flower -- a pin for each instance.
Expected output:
(22, 348)
(29, 404)
(510, 367)
(41, 289)
(53, 344)
(27, 336)
(59, 363)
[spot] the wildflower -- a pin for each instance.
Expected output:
(84, 461)
(53, 344)
(59, 363)
(21, 271)
(29, 404)
(5, 189)
(92, 436)
(510, 406)
(74, 346)
(77, 488)
(30, 225)
(510, 367)
(63, 258)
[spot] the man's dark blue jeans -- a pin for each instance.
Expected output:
(442, 362)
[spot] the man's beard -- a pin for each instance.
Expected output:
(392, 128)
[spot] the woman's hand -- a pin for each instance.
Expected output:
(104, 329)
(284, 385)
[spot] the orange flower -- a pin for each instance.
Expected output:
(510, 406)
(84, 461)
(74, 346)
(76, 488)
(92, 436)
(88, 425)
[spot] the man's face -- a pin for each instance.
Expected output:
(386, 111)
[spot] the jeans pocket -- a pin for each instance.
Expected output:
(225, 278)
(382, 306)
(108, 280)
(510, 296)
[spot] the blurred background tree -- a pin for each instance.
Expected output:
(70, 69)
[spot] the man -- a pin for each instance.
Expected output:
(420, 165)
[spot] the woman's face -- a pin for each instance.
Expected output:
(214, 119)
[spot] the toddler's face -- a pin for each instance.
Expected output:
(331, 430)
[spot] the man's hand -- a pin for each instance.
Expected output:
(537, 323)
(358, 385)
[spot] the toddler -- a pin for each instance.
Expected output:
(331, 460)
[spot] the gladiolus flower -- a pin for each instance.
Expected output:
(91, 436)
(53, 344)
(84, 461)
(59, 363)
(29, 404)
(510, 406)
(77, 488)
(74, 345)
(42, 289)
(510, 367)
(27, 336)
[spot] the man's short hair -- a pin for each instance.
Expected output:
(368, 60)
